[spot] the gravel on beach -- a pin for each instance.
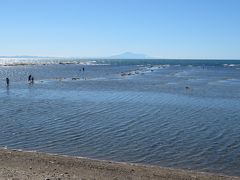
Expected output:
(18, 165)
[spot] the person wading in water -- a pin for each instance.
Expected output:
(7, 81)
(29, 78)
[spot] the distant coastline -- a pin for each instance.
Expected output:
(126, 55)
(37, 60)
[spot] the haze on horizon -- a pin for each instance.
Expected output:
(207, 29)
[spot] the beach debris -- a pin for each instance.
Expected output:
(141, 70)
(123, 74)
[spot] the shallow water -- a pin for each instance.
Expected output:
(131, 111)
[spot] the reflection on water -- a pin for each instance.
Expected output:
(145, 117)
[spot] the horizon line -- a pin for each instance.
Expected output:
(78, 57)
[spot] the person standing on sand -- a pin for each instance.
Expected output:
(7, 81)
(32, 80)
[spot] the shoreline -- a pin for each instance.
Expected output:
(18, 165)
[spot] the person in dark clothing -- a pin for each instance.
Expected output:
(29, 78)
(32, 80)
(7, 81)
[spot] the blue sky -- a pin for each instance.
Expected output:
(96, 28)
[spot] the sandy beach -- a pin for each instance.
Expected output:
(18, 165)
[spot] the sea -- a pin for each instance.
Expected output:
(182, 114)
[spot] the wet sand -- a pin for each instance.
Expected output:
(17, 165)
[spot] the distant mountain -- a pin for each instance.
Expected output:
(129, 55)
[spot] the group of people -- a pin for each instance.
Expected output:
(30, 80)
